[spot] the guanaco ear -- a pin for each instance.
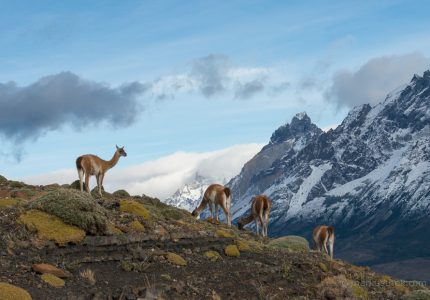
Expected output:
(116, 147)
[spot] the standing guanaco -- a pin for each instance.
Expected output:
(216, 195)
(321, 235)
(260, 208)
(90, 164)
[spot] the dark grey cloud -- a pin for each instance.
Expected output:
(28, 112)
(211, 73)
(279, 88)
(375, 79)
(248, 89)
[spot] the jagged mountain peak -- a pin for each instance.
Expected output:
(370, 178)
(302, 116)
(416, 77)
(299, 126)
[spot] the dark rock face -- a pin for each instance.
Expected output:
(370, 178)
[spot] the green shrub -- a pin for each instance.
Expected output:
(74, 207)
(121, 194)
(290, 242)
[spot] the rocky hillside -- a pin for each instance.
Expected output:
(59, 243)
(370, 178)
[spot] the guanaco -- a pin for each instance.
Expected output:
(321, 235)
(260, 212)
(90, 164)
(216, 195)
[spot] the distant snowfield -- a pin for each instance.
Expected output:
(162, 177)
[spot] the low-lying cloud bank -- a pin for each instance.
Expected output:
(162, 177)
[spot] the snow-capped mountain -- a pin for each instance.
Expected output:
(370, 178)
(189, 196)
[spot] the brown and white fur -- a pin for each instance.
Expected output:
(260, 212)
(216, 195)
(321, 235)
(90, 164)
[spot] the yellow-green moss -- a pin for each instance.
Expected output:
(166, 277)
(7, 202)
(388, 281)
(292, 243)
(212, 255)
(358, 291)
(402, 288)
(386, 278)
(135, 208)
(176, 259)
(113, 230)
(286, 268)
(232, 250)
(323, 267)
(137, 226)
(127, 265)
(52, 280)
(224, 233)
(243, 246)
(11, 292)
(49, 227)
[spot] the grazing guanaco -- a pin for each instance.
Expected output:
(90, 164)
(215, 195)
(321, 235)
(260, 208)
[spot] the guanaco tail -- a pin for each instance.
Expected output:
(90, 164)
(321, 235)
(216, 195)
(260, 212)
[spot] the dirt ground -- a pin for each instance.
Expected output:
(174, 257)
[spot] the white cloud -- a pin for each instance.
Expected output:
(375, 79)
(328, 127)
(162, 177)
(214, 75)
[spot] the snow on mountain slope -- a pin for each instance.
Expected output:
(189, 196)
(369, 177)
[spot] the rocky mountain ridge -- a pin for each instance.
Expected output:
(369, 177)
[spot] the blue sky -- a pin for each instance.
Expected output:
(211, 74)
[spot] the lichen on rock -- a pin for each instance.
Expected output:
(53, 280)
(134, 207)
(224, 233)
(175, 259)
(136, 226)
(232, 250)
(212, 255)
(12, 292)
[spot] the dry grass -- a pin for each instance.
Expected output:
(89, 276)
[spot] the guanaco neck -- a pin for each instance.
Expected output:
(201, 206)
(111, 163)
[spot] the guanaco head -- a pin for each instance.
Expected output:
(121, 151)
